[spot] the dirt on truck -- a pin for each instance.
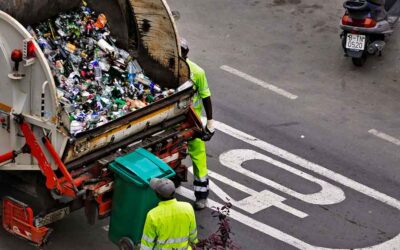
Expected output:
(48, 169)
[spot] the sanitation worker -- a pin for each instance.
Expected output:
(197, 147)
(170, 225)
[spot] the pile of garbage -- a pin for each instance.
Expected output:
(97, 82)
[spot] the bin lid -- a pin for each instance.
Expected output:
(140, 166)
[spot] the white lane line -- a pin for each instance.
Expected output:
(392, 244)
(252, 223)
(259, 82)
(385, 137)
(308, 165)
(256, 202)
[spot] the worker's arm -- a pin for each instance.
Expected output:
(208, 107)
(149, 236)
(205, 94)
(209, 128)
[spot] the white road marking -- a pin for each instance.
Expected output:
(328, 195)
(392, 244)
(307, 164)
(106, 228)
(385, 137)
(259, 82)
(256, 202)
(252, 223)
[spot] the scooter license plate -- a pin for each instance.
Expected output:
(355, 42)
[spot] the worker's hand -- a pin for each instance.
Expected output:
(209, 131)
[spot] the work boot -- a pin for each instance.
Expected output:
(200, 204)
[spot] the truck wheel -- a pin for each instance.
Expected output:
(126, 244)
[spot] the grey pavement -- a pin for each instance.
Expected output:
(294, 45)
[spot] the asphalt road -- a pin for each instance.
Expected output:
(314, 173)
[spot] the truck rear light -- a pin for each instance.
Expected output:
(16, 57)
(29, 51)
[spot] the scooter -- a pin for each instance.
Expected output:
(366, 26)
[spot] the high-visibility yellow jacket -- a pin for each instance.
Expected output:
(170, 225)
(198, 76)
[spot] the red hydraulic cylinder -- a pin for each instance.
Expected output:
(58, 161)
(37, 152)
(7, 156)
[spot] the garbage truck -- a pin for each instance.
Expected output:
(46, 172)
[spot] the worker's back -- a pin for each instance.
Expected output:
(171, 224)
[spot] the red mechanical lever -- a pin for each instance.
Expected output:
(7, 156)
(59, 163)
(37, 152)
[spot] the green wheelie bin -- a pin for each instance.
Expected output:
(133, 197)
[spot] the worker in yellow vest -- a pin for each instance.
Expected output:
(197, 147)
(170, 225)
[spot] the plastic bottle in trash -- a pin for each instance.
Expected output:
(131, 73)
(44, 45)
(97, 71)
(147, 82)
(90, 45)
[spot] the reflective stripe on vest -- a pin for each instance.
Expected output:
(172, 240)
(148, 239)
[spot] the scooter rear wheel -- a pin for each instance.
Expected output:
(359, 62)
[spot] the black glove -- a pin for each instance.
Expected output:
(207, 134)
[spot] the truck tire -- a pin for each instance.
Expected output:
(1, 209)
(126, 244)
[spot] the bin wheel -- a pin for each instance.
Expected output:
(126, 244)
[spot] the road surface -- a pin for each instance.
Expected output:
(307, 145)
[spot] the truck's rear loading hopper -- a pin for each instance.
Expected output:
(145, 27)
(31, 115)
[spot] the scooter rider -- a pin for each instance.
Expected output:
(378, 9)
